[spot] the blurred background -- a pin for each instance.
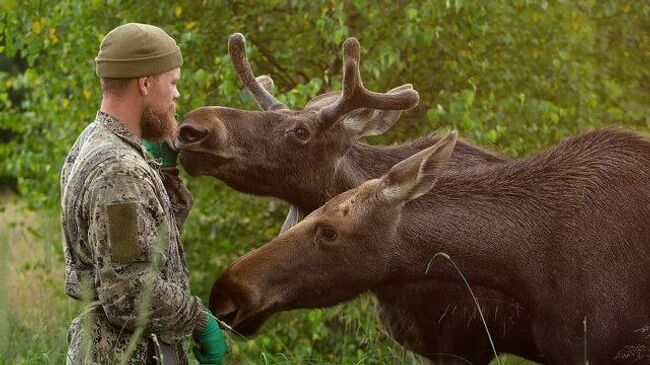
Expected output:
(513, 76)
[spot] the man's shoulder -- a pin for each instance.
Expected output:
(105, 142)
(102, 153)
(96, 141)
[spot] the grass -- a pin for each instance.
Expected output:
(34, 311)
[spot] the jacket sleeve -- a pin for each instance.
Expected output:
(128, 233)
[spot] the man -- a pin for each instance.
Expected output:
(121, 236)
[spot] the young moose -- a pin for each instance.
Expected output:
(566, 233)
(307, 159)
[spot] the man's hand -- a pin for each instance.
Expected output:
(210, 346)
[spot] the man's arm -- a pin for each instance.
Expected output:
(128, 233)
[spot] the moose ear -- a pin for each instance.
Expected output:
(373, 122)
(416, 175)
(266, 82)
(318, 102)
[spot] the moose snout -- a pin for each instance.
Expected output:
(226, 299)
(191, 133)
(238, 301)
(222, 306)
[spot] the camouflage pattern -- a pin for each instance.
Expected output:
(122, 249)
(179, 196)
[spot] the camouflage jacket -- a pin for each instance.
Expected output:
(122, 249)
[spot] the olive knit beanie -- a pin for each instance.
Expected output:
(136, 50)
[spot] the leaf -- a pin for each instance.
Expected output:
(37, 26)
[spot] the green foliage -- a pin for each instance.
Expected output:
(518, 75)
(515, 76)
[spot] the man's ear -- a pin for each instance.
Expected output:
(144, 85)
(416, 175)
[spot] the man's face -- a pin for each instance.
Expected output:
(157, 121)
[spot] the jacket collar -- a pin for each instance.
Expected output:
(119, 129)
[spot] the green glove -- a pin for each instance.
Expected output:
(160, 150)
(211, 347)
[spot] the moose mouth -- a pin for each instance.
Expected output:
(201, 163)
(249, 326)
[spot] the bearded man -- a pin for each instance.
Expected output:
(121, 214)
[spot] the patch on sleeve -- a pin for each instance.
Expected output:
(123, 232)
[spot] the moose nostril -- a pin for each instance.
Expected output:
(191, 134)
(223, 307)
(228, 318)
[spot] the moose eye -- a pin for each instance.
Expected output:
(327, 234)
(301, 132)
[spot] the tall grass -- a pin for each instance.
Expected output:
(34, 311)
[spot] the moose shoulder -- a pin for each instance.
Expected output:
(564, 232)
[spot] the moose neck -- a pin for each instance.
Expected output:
(364, 162)
(514, 226)
(493, 221)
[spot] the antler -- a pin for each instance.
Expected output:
(237, 49)
(356, 96)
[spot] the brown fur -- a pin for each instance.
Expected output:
(564, 232)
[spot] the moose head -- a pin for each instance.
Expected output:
(246, 148)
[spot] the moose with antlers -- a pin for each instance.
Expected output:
(504, 227)
(306, 160)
